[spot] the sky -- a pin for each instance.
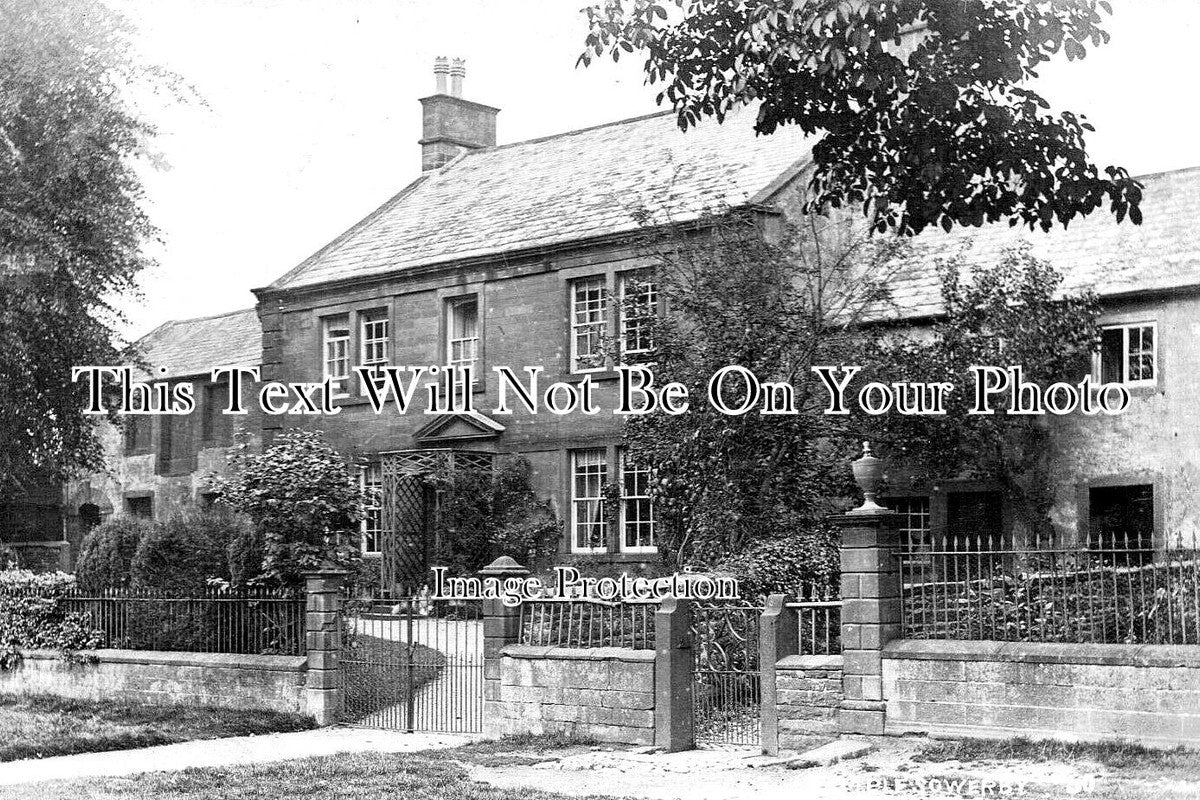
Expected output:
(308, 119)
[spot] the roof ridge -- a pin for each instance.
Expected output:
(563, 134)
(206, 317)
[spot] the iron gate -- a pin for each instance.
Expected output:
(413, 665)
(726, 690)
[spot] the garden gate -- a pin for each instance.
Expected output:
(726, 690)
(413, 665)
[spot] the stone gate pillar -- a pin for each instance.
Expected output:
(870, 601)
(323, 638)
(778, 636)
(673, 674)
(501, 627)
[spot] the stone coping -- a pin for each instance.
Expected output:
(1113, 655)
(809, 662)
(578, 653)
(158, 657)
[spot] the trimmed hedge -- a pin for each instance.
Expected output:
(107, 553)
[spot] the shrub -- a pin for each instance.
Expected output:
(182, 553)
(107, 553)
(301, 495)
(484, 514)
(799, 562)
(33, 616)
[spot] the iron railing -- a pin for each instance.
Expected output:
(820, 625)
(584, 623)
(1117, 591)
(245, 621)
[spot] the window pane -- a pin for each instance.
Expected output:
(589, 316)
(914, 521)
(1111, 355)
(637, 511)
(589, 474)
(336, 350)
(462, 341)
(639, 304)
(372, 523)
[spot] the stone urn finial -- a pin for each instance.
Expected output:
(868, 472)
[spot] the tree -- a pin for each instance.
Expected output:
(1009, 313)
(72, 223)
(922, 107)
(302, 498)
(776, 306)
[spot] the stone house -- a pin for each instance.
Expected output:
(1134, 473)
(506, 255)
(159, 463)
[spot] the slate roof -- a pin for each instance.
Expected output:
(1096, 253)
(197, 346)
(560, 189)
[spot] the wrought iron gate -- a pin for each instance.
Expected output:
(725, 694)
(413, 665)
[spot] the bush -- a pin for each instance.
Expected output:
(484, 514)
(300, 494)
(32, 616)
(182, 553)
(800, 563)
(107, 553)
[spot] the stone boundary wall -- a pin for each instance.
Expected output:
(606, 693)
(271, 683)
(808, 694)
(1139, 693)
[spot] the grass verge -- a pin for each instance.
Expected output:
(39, 726)
(430, 775)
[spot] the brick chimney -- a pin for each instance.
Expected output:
(452, 124)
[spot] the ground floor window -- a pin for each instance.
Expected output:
(1121, 521)
(591, 525)
(141, 507)
(914, 521)
(589, 475)
(371, 478)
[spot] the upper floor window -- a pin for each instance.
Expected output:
(215, 427)
(374, 344)
(371, 477)
(137, 434)
(637, 509)
(589, 321)
(335, 351)
(639, 305)
(589, 474)
(462, 332)
(1128, 354)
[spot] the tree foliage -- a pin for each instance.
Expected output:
(923, 106)
(484, 514)
(106, 555)
(72, 223)
(302, 498)
(1012, 312)
(776, 306)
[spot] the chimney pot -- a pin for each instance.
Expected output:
(458, 71)
(441, 69)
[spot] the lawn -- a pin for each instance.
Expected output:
(1128, 771)
(428, 775)
(39, 726)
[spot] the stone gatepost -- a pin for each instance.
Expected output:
(778, 636)
(870, 544)
(501, 627)
(673, 669)
(323, 637)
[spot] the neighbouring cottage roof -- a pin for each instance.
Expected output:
(197, 346)
(1095, 253)
(560, 189)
